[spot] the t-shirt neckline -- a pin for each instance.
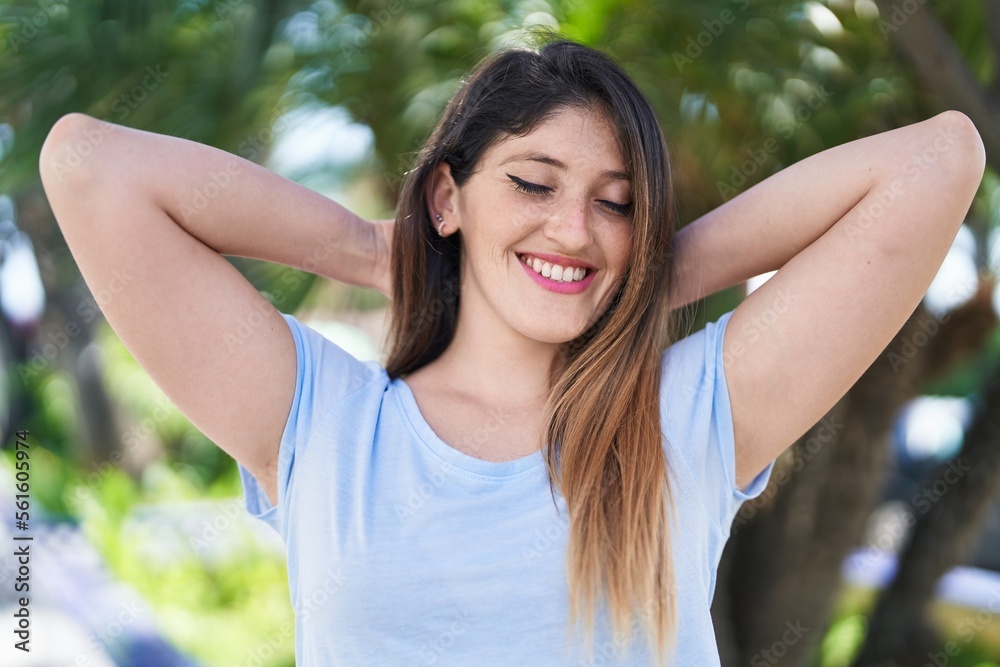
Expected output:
(498, 469)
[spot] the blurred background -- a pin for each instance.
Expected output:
(878, 539)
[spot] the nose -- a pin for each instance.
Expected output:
(569, 228)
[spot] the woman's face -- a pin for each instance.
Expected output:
(559, 191)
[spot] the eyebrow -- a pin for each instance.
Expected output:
(533, 156)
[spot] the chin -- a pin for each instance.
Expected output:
(551, 334)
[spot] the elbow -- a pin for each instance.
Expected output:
(957, 137)
(69, 143)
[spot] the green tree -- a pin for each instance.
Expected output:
(216, 72)
(744, 88)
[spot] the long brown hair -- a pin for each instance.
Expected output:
(605, 450)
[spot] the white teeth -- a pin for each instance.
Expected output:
(554, 271)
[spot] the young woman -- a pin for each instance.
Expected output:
(541, 447)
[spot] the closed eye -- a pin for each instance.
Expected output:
(528, 188)
(533, 189)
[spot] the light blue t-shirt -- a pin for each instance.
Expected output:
(404, 551)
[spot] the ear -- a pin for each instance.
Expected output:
(441, 195)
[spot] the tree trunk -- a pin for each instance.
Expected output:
(782, 565)
(959, 496)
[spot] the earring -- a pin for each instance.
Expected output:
(438, 217)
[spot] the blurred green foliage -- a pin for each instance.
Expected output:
(849, 627)
(730, 79)
(241, 601)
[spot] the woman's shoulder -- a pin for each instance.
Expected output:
(694, 401)
(333, 360)
(696, 356)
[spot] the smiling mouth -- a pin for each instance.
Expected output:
(554, 271)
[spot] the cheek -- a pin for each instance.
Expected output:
(619, 245)
(491, 245)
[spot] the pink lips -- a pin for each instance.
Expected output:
(556, 285)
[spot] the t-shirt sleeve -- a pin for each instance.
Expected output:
(325, 373)
(698, 420)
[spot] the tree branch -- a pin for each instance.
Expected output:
(991, 15)
(938, 62)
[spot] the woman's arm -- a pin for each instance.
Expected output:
(706, 260)
(147, 218)
(762, 228)
(857, 233)
(237, 207)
